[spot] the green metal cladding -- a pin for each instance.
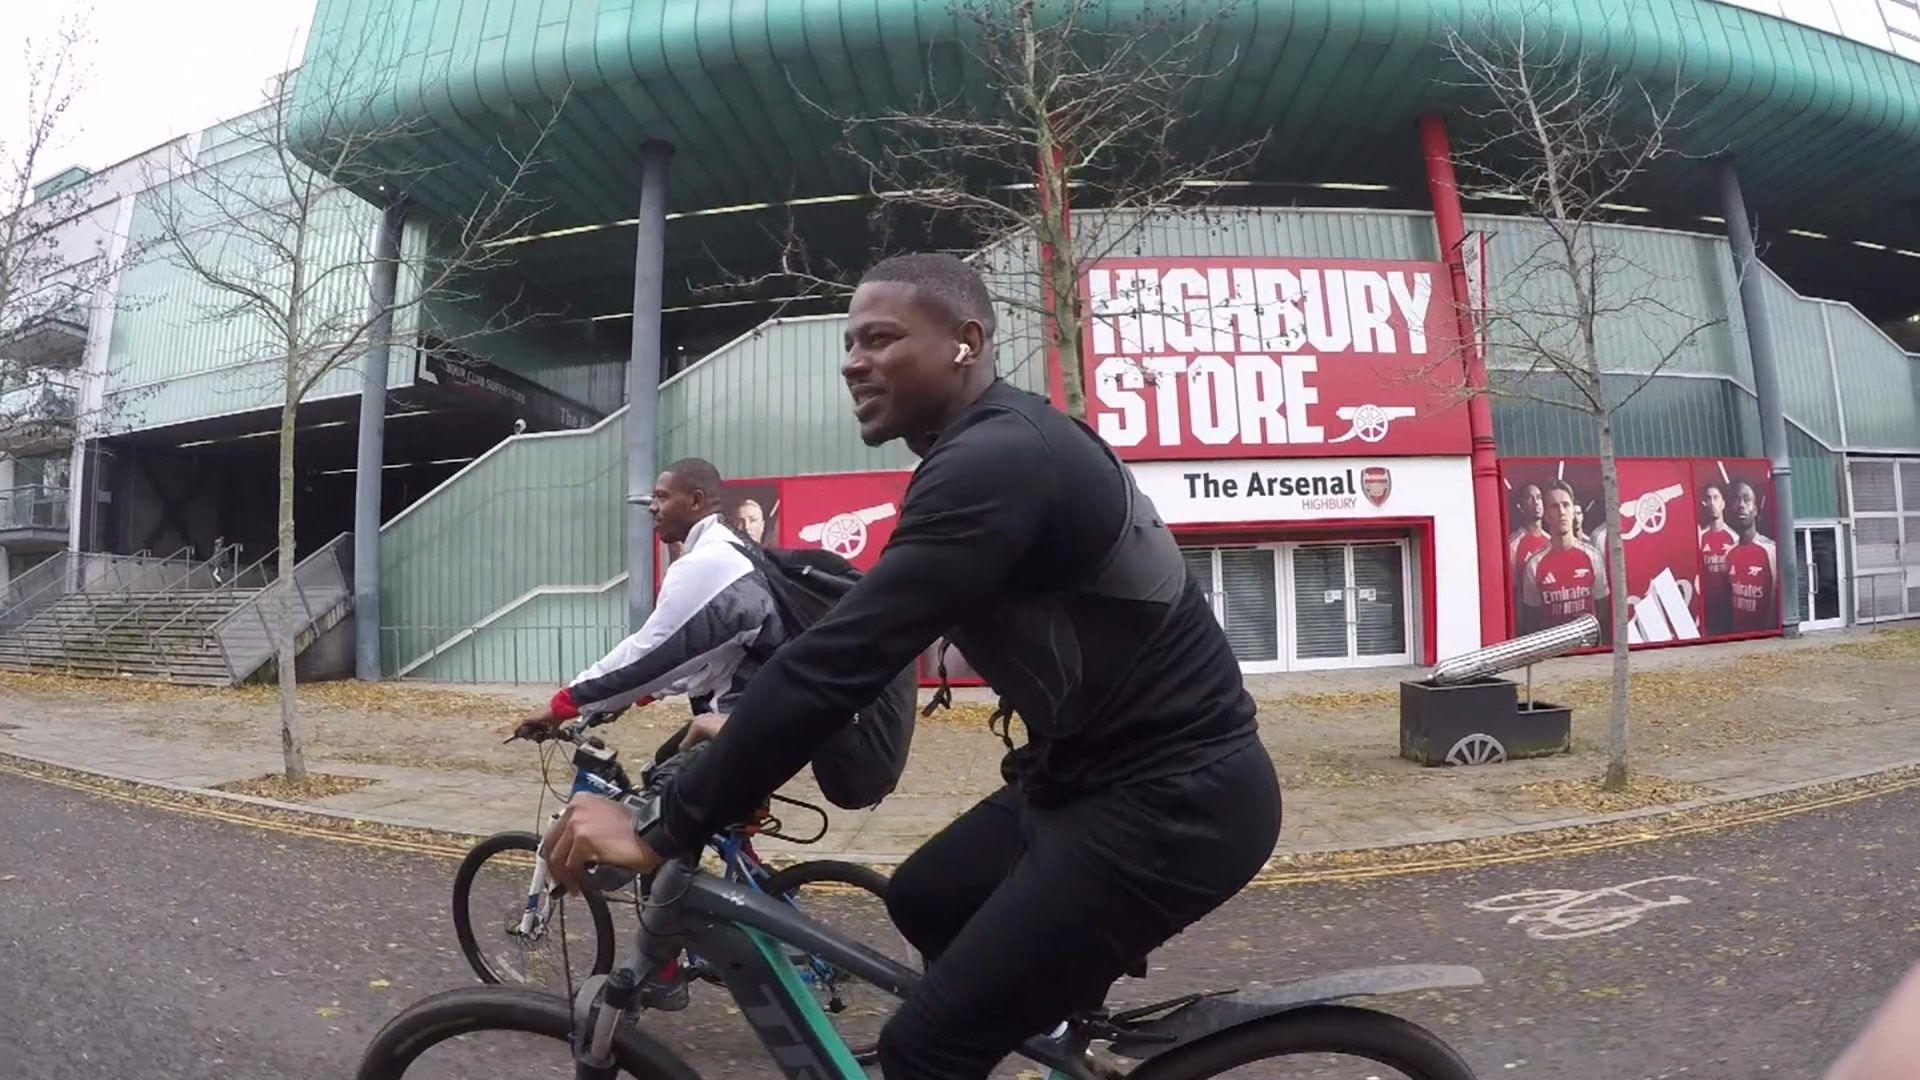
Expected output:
(537, 510)
(178, 351)
(1825, 127)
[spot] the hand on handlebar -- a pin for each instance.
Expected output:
(595, 831)
(539, 727)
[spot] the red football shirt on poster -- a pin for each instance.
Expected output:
(1716, 599)
(1565, 584)
(1751, 569)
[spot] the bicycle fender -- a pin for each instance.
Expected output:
(1198, 1018)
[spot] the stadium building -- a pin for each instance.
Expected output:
(1290, 401)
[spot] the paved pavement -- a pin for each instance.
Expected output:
(1868, 711)
(144, 942)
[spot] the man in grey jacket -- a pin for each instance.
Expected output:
(713, 623)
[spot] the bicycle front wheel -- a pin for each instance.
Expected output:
(1321, 1040)
(489, 901)
(502, 1033)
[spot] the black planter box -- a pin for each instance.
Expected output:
(1477, 723)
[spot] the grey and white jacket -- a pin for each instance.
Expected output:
(712, 617)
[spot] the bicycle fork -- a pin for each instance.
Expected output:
(533, 918)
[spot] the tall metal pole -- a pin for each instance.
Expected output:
(372, 450)
(1766, 388)
(1444, 191)
(643, 376)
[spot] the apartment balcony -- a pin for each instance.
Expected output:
(33, 517)
(38, 414)
(58, 340)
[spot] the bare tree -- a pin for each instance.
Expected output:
(1568, 139)
(286, 248)
(55, 253)
(1057, 107)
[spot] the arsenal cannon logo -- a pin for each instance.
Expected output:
(1376, 483)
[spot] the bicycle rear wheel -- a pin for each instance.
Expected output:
(1333, 1030)
(407, 1045)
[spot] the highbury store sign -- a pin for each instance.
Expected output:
(1210, 358)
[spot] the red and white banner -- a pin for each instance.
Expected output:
(1696, 535)
(852, 515)
(1238, 358)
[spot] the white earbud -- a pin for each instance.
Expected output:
(960, 357)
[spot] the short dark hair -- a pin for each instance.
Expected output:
(948, 280)
(1562, 485)
(697, 474)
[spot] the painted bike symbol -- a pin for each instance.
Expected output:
(1370, 422)
(1563, 914)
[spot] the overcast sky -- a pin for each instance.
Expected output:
(153, 69)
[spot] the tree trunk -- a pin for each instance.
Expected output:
(293, 744)
(1616, 778)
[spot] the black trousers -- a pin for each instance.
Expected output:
(1026, 915)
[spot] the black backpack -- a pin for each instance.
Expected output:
(862, 762)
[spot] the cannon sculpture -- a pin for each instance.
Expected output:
(1464, 714)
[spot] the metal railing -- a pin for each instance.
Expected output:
(98, 578)
(547, 654)
(321, 585)
(34, 506)
(208, 569)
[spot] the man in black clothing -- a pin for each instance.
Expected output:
(1141, 798)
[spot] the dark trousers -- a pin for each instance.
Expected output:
(1026, 914)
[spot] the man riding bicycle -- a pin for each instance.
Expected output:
(1141, 799)
(712, 624)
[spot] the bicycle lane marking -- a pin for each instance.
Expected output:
(1565, 914)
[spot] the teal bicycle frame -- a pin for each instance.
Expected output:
(742, 934)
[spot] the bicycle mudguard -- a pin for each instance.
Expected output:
(1196, 1017)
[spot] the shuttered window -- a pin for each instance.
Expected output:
(1380, 610)
(1320, 602)
(1253, 624)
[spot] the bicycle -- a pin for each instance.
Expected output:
(748, 937)
(534, 914)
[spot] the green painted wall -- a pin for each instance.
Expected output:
(546, 641)
(545, 509)
(771, 404)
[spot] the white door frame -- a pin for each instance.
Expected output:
(1803, 545)
(1352, 659)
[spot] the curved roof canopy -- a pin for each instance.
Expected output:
(1827, 130)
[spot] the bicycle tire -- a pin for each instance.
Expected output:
(433, 1020)
(826, 872)
(833, 872)
(500, 843)
(1317, 1029)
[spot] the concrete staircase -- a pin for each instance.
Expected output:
(203, 630)
(162, 636)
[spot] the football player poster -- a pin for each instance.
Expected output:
(1739, 558)
(1556, 572)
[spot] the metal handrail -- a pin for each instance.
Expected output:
(117, 563)
(54, 568)
(165, 590)
(333, 550)
(226, 586)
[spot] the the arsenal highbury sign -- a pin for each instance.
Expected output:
(1235, 358)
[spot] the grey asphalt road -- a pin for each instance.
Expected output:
(140, 942)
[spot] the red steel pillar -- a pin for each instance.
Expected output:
(1445, 193)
